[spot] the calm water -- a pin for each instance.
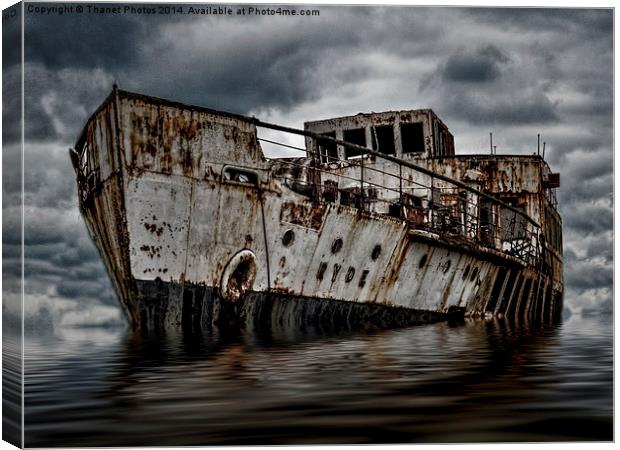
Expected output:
(432, 383)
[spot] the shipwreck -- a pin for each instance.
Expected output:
(377, 220)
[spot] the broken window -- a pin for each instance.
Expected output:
(356, 136)
(412, 137)
(383, 139)
(328, 150)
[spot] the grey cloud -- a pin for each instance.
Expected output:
(481, 65)
(602, 247)
(588, 217)
(588, 274)
(599, 105)
(586, 175)
(47, 226)
(78, 289)
(578, 22)
(11, 105)
(579, 191)
(564, 142)
(483, 108)
(585, 165)
(60, 101)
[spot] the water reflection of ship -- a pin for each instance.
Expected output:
(292, 387)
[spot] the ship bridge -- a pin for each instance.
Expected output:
(404, 134)
(403, 164)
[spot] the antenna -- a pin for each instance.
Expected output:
(538, 144)
(491, 142)
(544, 145)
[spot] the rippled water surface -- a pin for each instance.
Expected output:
(433, 383)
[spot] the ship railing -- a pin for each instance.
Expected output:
(426, 201)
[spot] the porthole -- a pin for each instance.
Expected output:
(474, 274)
(376, 252)
(350, 274)
(288, 238)
(423, 261)
(337, 246)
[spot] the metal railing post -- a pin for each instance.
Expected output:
(362, 182)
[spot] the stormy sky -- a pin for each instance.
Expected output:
(515, 72)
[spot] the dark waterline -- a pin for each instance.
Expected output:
(477, 382)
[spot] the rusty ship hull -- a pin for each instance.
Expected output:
(197, 228)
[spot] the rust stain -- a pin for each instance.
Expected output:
(309, 215)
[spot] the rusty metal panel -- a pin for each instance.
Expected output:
(181, 141)
(223, 221)
(158, 212)
(304, 214)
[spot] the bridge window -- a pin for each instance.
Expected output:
(383, 139)
(412, 137)
(328, 149)
(356, 136)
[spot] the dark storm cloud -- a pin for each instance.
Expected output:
(477, 66)
(88, 40)
(516, 72)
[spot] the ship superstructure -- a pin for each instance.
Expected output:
(377, 219)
